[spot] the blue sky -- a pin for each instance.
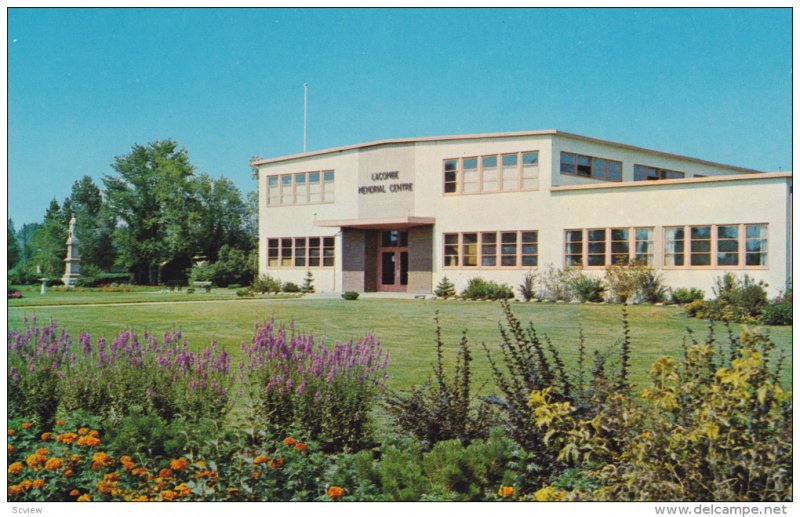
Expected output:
(84, 85)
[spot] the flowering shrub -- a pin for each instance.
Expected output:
(296, 380)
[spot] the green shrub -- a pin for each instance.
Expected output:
(527, 289)
(777, 313)
(234, 286)
(244, 292)
(651, 286)
(190, 290)
(290, 287)
(586, 288)
(350, 295)
(101, 278)
(682, 295)
(625, 279)
(736, 300)
(445, 288)
(442, 409)
(266, 284)
(308, 283)
(480, 289)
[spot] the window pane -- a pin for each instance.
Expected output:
(701, 232)
(470, 174)
(314, 190)
(488, 249)
(573, 252)
(701, 259)
(327, 186)
(756, 232)
(451, 249)
(314, 252)
(614, 171)
(728, 232)
(510, 172)
(286, 189)
(469, 249)
(530, 170)
(508, 249)
(599, 168)
(286, 252)
(300, 252)
(584, 167)
(327, 251)
(567, 163)
(673, 246)
(489, 173)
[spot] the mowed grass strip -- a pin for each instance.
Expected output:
(405, 327)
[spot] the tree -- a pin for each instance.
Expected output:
(26, 236)
(50, 240)
(13, 251)
(219, 216)
(151, 195)
(94, 224)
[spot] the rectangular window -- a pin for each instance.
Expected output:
(489, 249)
(573, 248)
(510, 172)
(469, 249)
(286, 252)
(647, 173)
(489, 174)
(273, 191)
(620, 246)
(596, 247)
(530, 249)
(327, 186)
(590, 167)
(328, 251)
(273, 253)
(287, 195)
(470, 174)
(700, 246)
(314, 189)
(643, 245)
(728, 245)
(451, 250)
(755, 245)
(300, 188)
(300, 253)
(450, 176)
(508, 249)
(314, 253)
(674, 243)
(530, 170)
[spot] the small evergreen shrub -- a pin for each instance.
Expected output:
(445, 289)
(682, 295)
(290, 287)
(586, 288)
(267, 284)
(527, 289)
(651, 286)
(308, 283)
(350, 295)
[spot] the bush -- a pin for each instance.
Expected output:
(737, 300)
(244, 293)
(586, 288)
(350, 295)
(443, 409)
(290, 287)
(625, 279)
(266, 284)
(478, 288)
(234, 286)
(527, 289)
(778, 312)
(101, 278)
(651, 286)
(308, 283)
(682, 295)
(445, 289)
(328, 393)
(555, 283)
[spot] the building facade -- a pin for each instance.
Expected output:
(399, 215)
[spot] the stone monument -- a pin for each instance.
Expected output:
(73, 261)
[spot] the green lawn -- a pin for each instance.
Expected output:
(405, 327)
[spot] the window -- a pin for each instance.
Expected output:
(646, 173)
(492, 173)
(451, 250)
(590, 167)
(716, 246)
(300, 188)
(301, 252)
(599, 247)
(491, 249)
(489, 181)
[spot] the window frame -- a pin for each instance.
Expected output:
(714, 263)
(497, 244)
(306, 248)
(608, 252)
(575, 165)
(302, 195)
(660, 173)
(498, 171)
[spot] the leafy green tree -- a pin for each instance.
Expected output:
(50, 240)
(94, 224)
(151, 196)
(218, 217)
(25, 236)
(13, 251)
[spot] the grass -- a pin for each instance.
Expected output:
(405, 327)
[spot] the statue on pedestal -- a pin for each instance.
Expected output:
(73, 261)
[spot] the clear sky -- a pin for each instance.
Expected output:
(84, 85)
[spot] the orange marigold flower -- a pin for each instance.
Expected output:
(94, 433)
(261, 459)
(289, 441)
(68, 473)
(168, 495)
(54, 464)
(165, 473)
(42, 451)
(59, 422)
(83, 430)
(14, 490)
(67, 438)
(46, 436)
(26, 484)
(85, 497)
(106, 487)
(179, 464)
(506, 491)
(128, 465)
(300, 447)
(26, 425)
(74, 492)
(10, 448)
(11, 432)
(34, 460)
(182, 490)
(276, 463)
(75, 458)
(140, 499)
(88, 441)
(255, 474)
(138, 471)
(102, 457)
(39, 483)
(335, 492)
(15, 468)
(112, 476)
(125, 459)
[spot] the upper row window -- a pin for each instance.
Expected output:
(492, 173)
(590, 167)
(646, 173)
(300, 188)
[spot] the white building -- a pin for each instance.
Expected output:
(398, 215)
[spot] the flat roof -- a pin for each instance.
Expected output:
(387, 223)
(486, 136)
(665, 183)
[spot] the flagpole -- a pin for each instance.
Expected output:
(305, 117)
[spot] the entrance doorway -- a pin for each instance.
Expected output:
(393, 261)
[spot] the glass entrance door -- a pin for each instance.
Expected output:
(393, 261)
